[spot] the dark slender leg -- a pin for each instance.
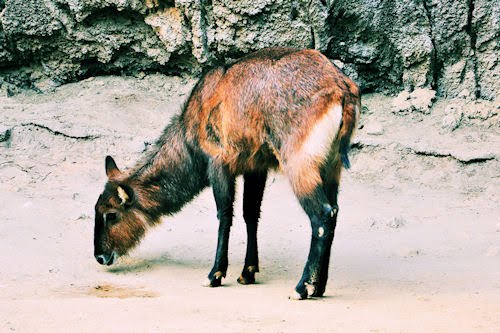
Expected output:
(323, 220)
(252, 199)
(331, 187)
(223, 189)
(325, 265)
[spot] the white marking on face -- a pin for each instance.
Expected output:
(323, 133)
(321, 231)
(122, 195)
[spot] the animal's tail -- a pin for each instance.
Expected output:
(350, 114)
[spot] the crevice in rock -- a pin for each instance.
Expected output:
(159, 5)
(166, 4)
(189, 27)
(16, 165)
(312, 45)
(204, 24)
(436, 63)
(184, 60)
(5, 134)
(67, 21)
(16, 78)
(471, 160)
(360, 145)
(294, 11)
(111, 14)
(124, 55)
(58, 133)
(463, 159)
(473, 41)
(17, 60)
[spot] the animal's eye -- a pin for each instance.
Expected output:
(110, 217)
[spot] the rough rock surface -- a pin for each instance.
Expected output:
(453, 117)
(450, 46)
(420, 100)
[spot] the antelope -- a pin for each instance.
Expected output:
(277, 108)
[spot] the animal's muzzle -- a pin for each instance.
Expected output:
(106, 259)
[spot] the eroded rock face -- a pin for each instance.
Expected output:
(485, 25)
(450, 46)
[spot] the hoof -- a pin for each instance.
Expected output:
(248, 279)
(295, 296)
(318, 292)
(248, 275)
(215, 281)
(310, 289)
(306, 290)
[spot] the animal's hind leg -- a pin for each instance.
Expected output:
(223, 188)
(252, 198)
(309, 188)
(331, 178)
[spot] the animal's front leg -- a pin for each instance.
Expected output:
(223, 188)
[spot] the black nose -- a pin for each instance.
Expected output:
(101, 259)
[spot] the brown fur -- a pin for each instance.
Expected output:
(254, 115)
(261, 109)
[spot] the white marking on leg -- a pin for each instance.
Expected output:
(321, 232)
(319, 141)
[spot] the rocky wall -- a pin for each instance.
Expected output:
(450, 46)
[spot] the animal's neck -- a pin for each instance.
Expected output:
(171, 175)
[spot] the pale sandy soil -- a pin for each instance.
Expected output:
(417, 245)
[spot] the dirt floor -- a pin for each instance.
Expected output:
(417, 246)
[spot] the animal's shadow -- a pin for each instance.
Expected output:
(139, 264)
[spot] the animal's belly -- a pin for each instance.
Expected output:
(241, 156)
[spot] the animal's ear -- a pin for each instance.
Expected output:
(111, 168)
(126, 195)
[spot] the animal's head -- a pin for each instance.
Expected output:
(119, 223)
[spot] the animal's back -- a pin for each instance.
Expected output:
(273, 105)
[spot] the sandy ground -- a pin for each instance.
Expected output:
(417, 245)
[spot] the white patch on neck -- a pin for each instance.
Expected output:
(319, 141)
